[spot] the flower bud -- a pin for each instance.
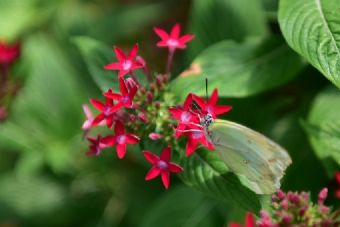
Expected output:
(150, 96)
(130, 83)
(142, 117)
(322, 195)
(155, 136)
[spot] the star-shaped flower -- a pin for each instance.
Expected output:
(89, 118)
(249, 222)
(8, 53)
(96, 146)
(210, 106)
(125, 64)
(124, 98)
(161, 166)
(120, 139)
(184, 115)
(174, 40)
(196, 135)
(106, 110)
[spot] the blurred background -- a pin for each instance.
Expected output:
(46, 178)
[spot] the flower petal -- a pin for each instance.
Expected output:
(191, 146)
(166, 154)
(112, 66)
(161, 33)
(213, 98)
(119, 128)
(109, 121)
(185, 38)
(337, 177)
(221, 109)
(87, 112)
(188, 102)
(112, 95)
(176, 29)
(153, 173)
(98, 120)
(122, 87)
(133, 52)
(132, 139)
(121, 150)
(122, 73)
(174, 168)
(166, 179)
(200, 101)
(109, 140)
(152, 158)
(97, 104)
(250, 220)
(119, 54)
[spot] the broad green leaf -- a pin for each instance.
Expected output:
(181, 206)
(323, 128)
(206, 172)
(46, 115)
(216, 20)
(311, 28)
(240, 69)
(96, 56)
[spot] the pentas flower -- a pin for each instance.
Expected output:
(106, 112)
(184, 115)
(125, 64)
(337, 178)
(8, 53)
(173, 40)
(124, 98)
(161, 166)
(249, 221)
(89, 118)
(211, 106)
(195, 136)
(96, 145)
(120, 139)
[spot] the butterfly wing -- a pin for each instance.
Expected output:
(250, 154)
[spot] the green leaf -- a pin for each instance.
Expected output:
(181, 206)
(96, 56)
(311, 28)
(240, 69)
(206, 172)
(213, 21)
(323, 128)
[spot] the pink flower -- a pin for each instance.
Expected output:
(8, 53)
(249, 221)
(173, 41)
(89, 118)
(96, 146)
(184, 115)
(196, 135)
(106, 110)
(155, 136)
(124, 98)
(120, 139)
(161, 166)
(125, 64)
(210, 106)
(322, 196)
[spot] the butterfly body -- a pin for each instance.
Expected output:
(248, 153)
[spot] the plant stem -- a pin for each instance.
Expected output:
(169, 62)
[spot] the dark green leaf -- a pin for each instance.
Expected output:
(240, 70)
(312, 28)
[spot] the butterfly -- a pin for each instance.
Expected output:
(244, 151)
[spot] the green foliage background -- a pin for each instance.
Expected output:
(276, 63)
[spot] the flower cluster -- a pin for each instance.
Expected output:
(140, 112)
(295, 209)
(8, 55)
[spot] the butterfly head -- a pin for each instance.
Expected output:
(207, 120)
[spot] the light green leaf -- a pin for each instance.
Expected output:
(240, 69)
(213, 21)
(312, 28)
(323, 128)
(206, 172)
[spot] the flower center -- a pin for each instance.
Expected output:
(125, 99)
(210, 109)
(162, 165)
(107, 111)
(197, 135)
(172, 42)
(121, 139)
(127, 65)
(185, 116)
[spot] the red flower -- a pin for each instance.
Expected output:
(161, 166)
(196, 135)
(125, 64)
(120, 139)
(337, 178)
(96, 146)
(8, 54)
(210, 106)
(89, 118)
(249, 222)
(173, 41)
(125, 98)
(106, 110)
(185, 115)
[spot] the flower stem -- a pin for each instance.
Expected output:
(169, 62)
